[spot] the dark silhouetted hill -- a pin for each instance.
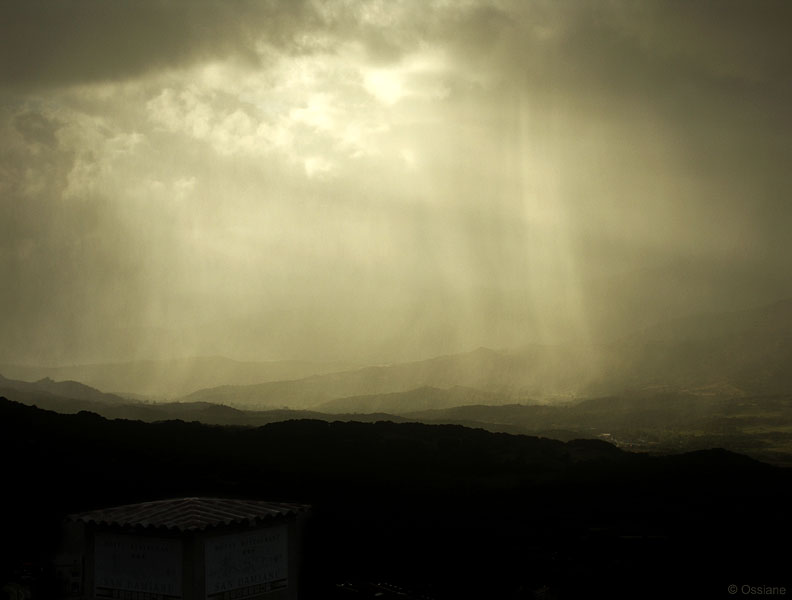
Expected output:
(458, 512)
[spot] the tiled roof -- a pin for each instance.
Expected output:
(189, 514)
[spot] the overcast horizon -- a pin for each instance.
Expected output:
(387, 180)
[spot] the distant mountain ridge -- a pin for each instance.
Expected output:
(174, 377)
(747, 351)
(422, 398)
(731, 354)
(534, 371)
(70, 397)
(62, 389)
(736, 353)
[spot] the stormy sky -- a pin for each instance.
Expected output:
(384, 180)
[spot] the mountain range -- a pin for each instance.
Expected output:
(71, 390)
(727, 354)
(161, 379)
(735, 354)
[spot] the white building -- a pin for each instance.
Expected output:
(185, 549)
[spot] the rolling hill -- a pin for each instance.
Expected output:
(465, 513)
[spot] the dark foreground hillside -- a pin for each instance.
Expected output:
(418, 510)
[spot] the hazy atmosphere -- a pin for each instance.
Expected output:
(395, 299)
(384, 181)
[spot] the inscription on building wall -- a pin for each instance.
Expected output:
(127, 566)
(247, 564)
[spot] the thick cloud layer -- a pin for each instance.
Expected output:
(47, 44)
(384, 180)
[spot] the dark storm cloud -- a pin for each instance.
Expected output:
(61, 42)
(669, 123)
(36, 128)
(746, 40)
(689, 57)
(46, 43)
(660, 127)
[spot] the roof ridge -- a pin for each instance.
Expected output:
(187, 514)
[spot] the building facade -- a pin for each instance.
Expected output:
(184, 549)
